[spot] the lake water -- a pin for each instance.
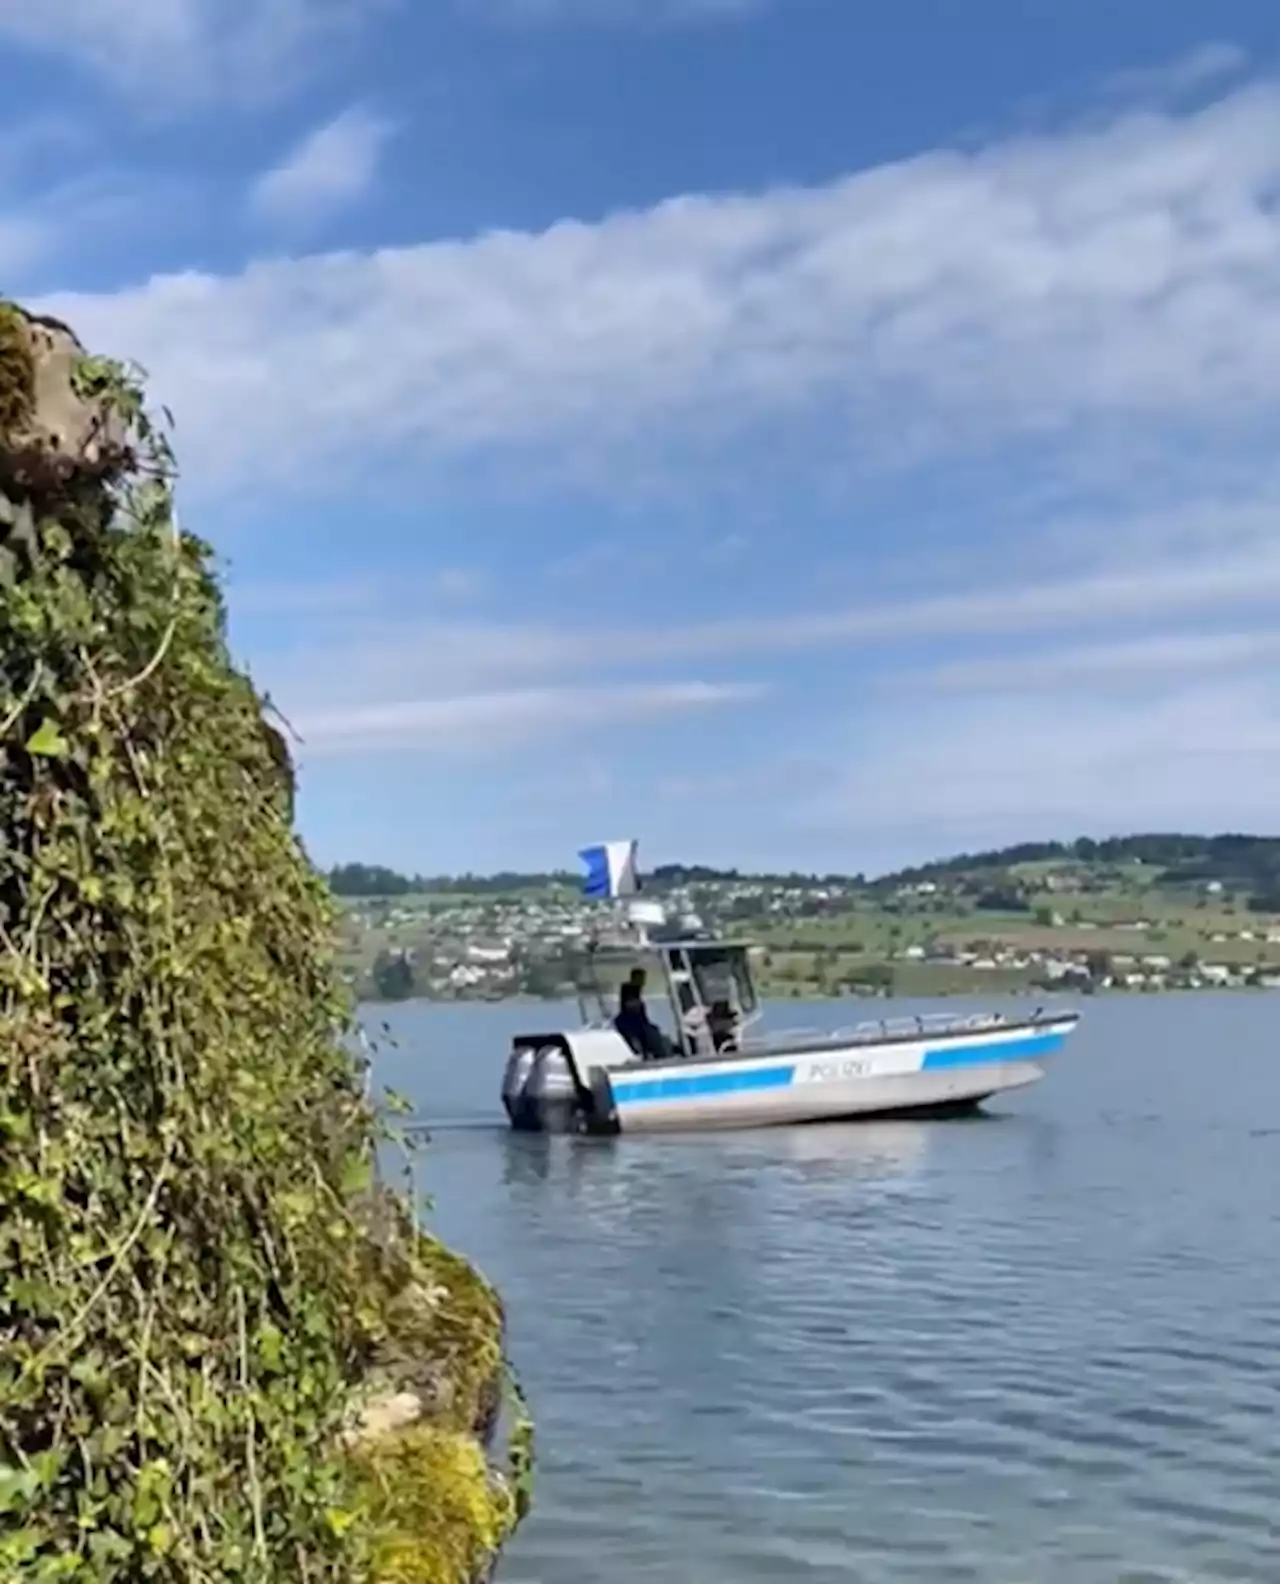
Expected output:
(1041, 1346)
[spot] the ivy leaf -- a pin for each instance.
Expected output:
(160, 1538)
(339, 1520)
(270, 1347)
(47, 742)
(16, 1487)
(357, 1176)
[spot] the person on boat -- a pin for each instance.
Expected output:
(693, 1020)
(634, 1023)
(722, 1024)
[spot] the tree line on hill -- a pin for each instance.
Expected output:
(1249, 864)
(1245, 863)
(375, 880)
(1181, 857)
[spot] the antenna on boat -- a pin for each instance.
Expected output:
(642, 915)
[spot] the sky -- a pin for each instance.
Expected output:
(795, 433)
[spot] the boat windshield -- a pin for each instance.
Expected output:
(722, 973)
(707, 987)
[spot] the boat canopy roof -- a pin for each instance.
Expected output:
(622, 951)
(699, 971)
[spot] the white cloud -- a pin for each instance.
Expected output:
(123, 211)
(1178, 731)
(330, 168)
(1180, 727)
(1064, 761)
(1185, 523)
(161, 51)
(1120, 666)
(614, 13)
(25, 240)
(1075, 285)
(1199, 68)
(378, 655)
(1117, 276)
(482, 723)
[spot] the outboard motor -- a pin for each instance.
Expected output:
(552, 1091)
(539, 1090)
(514, 1081)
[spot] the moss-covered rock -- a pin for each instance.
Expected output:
(200, 1279)
(441, 1512)
(440, 1497)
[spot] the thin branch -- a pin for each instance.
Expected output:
(251, 1459)
(37, 919)
(270, 707)
(121, 1254)
(144, 1357)
(15, 714)
(147, 670)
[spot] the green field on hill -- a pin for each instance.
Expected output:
(1140, 913)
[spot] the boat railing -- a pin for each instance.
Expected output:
(801, 1031)
(925, 1025)
(931, 1024)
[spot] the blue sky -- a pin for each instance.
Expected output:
(792, 432)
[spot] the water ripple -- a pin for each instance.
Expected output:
(1041, 1348)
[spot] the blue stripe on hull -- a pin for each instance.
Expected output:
(690, 1086)
(731, 1080)
(955, 1055)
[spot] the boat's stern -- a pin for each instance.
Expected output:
(539, 1092)
(515, 1081)
(559, 1083)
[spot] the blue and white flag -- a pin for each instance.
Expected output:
(611, 869)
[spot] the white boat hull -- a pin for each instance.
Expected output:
(584, 1082)
(874, 1095)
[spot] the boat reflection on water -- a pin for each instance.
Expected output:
(698, 1230)
(857, 1148)
(610, 1171)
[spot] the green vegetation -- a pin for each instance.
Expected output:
(373, 880)
(1136, 913)
(1247, 862)
(201, 1279)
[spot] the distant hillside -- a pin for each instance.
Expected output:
(373, 880)
(1240, 862)
(1235, 860)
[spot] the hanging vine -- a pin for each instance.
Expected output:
(192, 1283)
